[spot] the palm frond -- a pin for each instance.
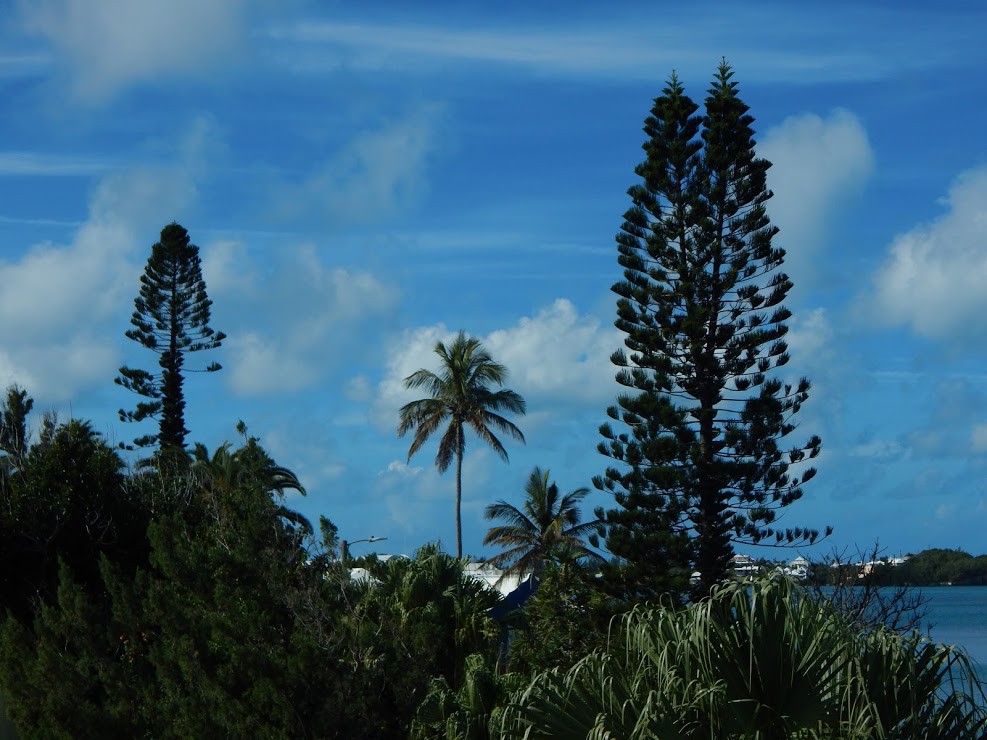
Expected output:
(428, 412)
(507, 513)
(584, 529)
(504, 400)
(489, 418)
(510, 559)
(506, 535)
(484, 433)
(432, 382)
(450, 446)
(543, 524)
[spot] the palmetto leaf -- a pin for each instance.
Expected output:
(757, 660)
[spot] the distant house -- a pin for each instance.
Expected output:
(508, 585)
(495, 578)
(798, 568)
(744, 566)
(867, 568)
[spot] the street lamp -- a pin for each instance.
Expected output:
(344, 549)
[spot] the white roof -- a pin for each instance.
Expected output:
(495, 578)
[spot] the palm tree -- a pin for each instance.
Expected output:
(249, 467)
(460, 394)
(546, 524)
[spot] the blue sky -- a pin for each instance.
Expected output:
(365, 179)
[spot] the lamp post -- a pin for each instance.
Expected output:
(344, 548)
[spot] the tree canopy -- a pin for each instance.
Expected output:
(171, 318)
(547, 525)
(700, 460)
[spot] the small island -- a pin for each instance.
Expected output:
(933, 567)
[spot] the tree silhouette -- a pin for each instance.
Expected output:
(460, 395)
(701, 305)
(546, 523)
(171, 318)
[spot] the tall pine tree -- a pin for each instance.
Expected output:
(171, 318)
(701, 305)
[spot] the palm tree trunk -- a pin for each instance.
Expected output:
(459, 501)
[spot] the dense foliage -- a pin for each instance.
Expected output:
(548, 526)
(701, 462)
(753, 660)
(187, 598)
(191, 600)
(939, 567)
(934, 567)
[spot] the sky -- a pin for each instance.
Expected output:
(366, 179)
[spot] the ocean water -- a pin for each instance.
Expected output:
(958, 616)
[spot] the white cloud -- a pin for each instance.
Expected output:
(559, 356)
(978, 439)
(615, 46)
(358, 388)
(553, 358)
(411, 351)
(401, 470)
(302, 318)
(90, 277)
(259, 365)
(378, 174)
(60, 300)
(227, 268)
(104, 46)
(44, 164)
(308, 449)
(810, 339)
(52, 286)
(13, 373)
(819, 163)
(412, 494)
(878, 449)
(933, 276)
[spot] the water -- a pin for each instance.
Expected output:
(958, 616)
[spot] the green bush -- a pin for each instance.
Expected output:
(761, 660)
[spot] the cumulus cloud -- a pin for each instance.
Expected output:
(302, 316)
(555, 357)
(378, 174)
(59, 299)
(810, 339)
(399, 469)
(409, 352)
(107, 45)
(978, 439)
(558, 355)
(818, 164)
(932, 278)
(878, 449)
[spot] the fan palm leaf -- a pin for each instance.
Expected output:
(754, 660)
